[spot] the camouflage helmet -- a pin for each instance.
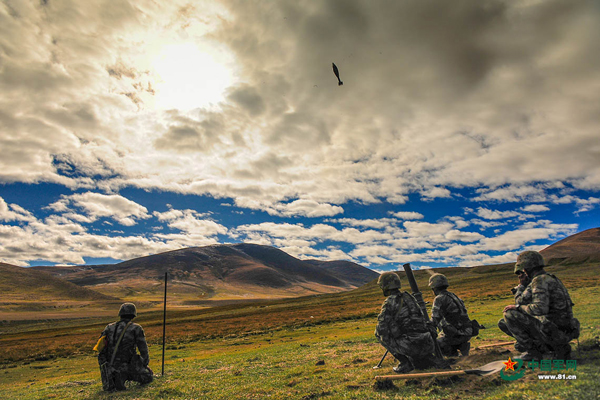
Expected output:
(438, 281)
(528, 260)
(127, 309)
(388, 281)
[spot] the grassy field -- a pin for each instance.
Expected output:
(318, 347)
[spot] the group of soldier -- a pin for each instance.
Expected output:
(541, 321)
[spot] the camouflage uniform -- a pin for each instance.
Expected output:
(521, 298)
(402, 330)
(450, 315)
(544, 320)
(129, 365)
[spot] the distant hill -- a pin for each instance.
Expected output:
(352, 273)
(575, 248)
(218, 272)
(27, 284)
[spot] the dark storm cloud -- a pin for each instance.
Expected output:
(189, 135)
(513, 76)
(249, 99)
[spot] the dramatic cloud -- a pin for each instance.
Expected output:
(96, 205)
(89, 84)
(489, 107)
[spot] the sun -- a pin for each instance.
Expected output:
(189, 75)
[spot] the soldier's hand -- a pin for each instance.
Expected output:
(524, 280)
(509, 307)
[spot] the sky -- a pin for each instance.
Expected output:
(465, 131)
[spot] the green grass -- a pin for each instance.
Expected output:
(282, 363)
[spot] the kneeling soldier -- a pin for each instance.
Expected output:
(118, 359)
(449, 314)
(545, 324)
(401, 327)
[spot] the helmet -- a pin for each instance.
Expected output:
(528, 260)
(438, 281)
(127, 309)
(388, 281)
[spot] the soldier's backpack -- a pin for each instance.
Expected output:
(111, 378)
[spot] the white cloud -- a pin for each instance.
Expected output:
(583, 204)
(456, 235)
(535, 208)
(190, 223)
(14, 212)
(408, 215)
(97, 205)
(495, 214)
(367, 223)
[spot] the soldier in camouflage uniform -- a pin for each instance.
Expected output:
(522, 298)
(450, 315)
(127, 364)
(401, 327)
(545, 323)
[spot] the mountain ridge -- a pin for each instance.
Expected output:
(218, 272)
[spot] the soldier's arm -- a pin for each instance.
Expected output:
(103, 354)
(540, 299)
(519, 290)
(142, 346)
(436, 311)
(382, 330)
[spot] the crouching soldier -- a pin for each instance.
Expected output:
(118, 359)
(402, 329)
(449, 314)
(545, 324)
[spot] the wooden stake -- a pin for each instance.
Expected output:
(164, 326)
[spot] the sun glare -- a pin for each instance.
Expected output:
(191, 77)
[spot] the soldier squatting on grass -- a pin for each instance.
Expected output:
(118, 359)
(542, 320)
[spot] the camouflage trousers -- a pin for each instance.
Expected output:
(417, 347)
(531, 334)
(114, 378)
(449, 345)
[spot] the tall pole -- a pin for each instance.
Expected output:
(164, 326)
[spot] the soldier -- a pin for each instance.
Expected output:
(545, 324)
(118, 360)
(402, 329)
(449, 314)
(522, 298)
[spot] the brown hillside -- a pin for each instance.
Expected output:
(218, 272)
(348, 271)
(18, 284)
(581, 245)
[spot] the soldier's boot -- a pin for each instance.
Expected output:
(404, 366)
(464, 348)
(442, 364)
(562, 352)
(520, 347)
(450, 351)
